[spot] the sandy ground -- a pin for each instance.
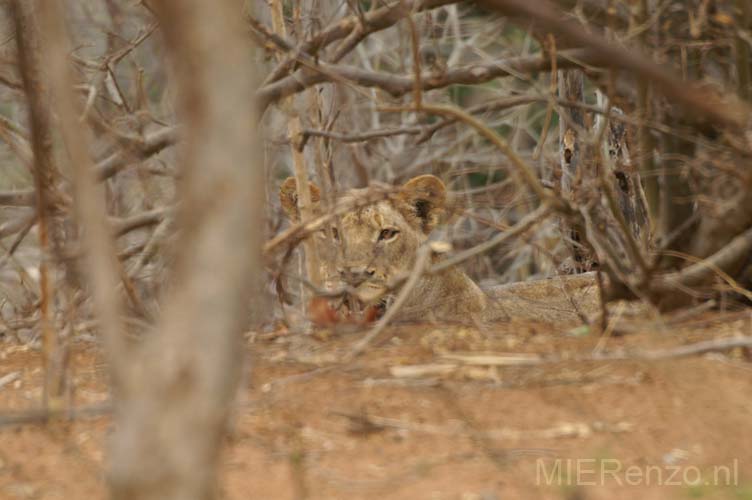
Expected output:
(422, 416)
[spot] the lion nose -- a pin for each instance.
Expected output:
(355, 275)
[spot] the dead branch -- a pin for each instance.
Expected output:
(524, 171)
(42, 416)
(17, 139)
(696, 102)
(139, 221)
(424, 132)
(397, 85)
(421, 259)
(139, 149)
(496, 105)
(303, 228)
(24, 226)
(723, 261)
(684, 351)
(522, 226)
(371, 22)
(16, 224)
(25, 198)
(360, 137)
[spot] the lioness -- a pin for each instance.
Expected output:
(370, 245)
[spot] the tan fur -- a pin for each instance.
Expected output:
(352, 253)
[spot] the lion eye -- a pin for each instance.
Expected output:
(387, 234)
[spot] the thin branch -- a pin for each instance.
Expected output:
(524, 224)
(719, 263)
(25, 226)
(138, 221)
(526, 173)
(397, 85)
(24, 198)
(421, 259)
(373, 21)
(696, 102)
(684, 351)
(359, 137)
(137, 150)
(303, 228)
(42, 416)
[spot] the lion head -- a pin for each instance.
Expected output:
(371, 244)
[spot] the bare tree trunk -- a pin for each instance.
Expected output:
(45, 174)
(101, 265)
(571, 89)
(644, 135)
(624, 180)
(172, 415)
(305, 201)
(572, 160)
(675, 208)
(743, 67)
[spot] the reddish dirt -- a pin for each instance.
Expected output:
(306, 428)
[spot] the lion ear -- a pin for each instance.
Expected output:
(288, 197)
(424, 200)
